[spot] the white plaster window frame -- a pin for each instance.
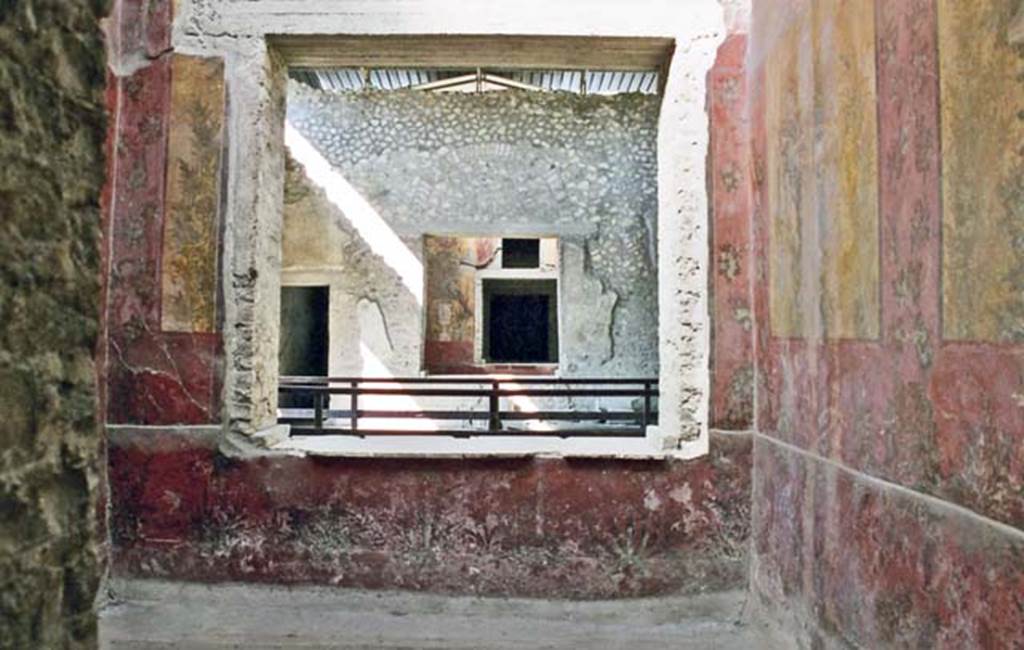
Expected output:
(478, 312)
(495, 271)
(257, 80)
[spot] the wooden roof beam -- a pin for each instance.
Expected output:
(461, 52)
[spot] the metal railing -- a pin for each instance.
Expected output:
(316, 417)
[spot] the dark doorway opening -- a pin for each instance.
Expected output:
(520, 321)
(304, 338)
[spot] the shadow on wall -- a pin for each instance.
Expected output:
(583, 169)
(357, 211)
(372, 275)
(375, 279)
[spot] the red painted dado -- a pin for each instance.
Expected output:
(879, 567)
(152, 377)
(529, 527)
(732, 358)
(457, 358)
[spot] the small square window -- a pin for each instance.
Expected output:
(520, 253)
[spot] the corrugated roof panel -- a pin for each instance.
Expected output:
(597, 81)
(650, 82)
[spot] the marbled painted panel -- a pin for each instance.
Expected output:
(788, 96)
(822, 168)
(982, 99)
(164, 378)
(846, 94)
(191, 225)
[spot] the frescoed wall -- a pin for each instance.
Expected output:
(865, 165)
(822, 174)
(732, 306)
(162, 356)
(889, 459)
(191, 225)
(183, 505)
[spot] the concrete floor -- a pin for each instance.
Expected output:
(161, 615)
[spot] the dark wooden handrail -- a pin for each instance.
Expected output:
(467, 392)
(317, 420)
(484, 379)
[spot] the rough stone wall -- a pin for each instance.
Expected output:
(52, 127)
(503, 163)
(889, 459)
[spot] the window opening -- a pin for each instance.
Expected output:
(520, 253)
(520, 321)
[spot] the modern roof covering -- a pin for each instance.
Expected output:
(596, 82)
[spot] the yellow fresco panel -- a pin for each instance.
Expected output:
(189, 263)
(788, 127)
(822, 165)
(982, 172)
(852, 294)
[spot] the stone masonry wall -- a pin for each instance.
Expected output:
(51, 174)
(501, 163)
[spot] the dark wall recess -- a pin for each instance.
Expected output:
(520, 321)
(304, 337)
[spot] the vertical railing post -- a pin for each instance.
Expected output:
(354, 404)
(318, 410)
(647, 406)
(495, 420)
